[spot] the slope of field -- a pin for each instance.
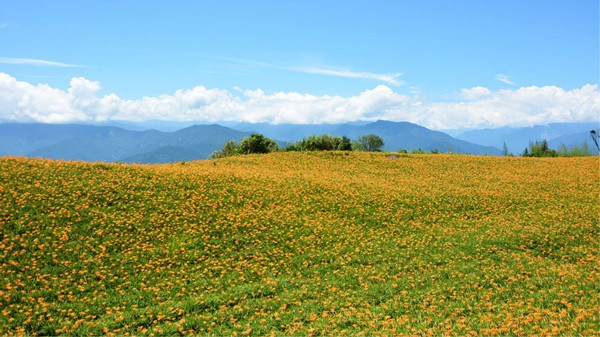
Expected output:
(301, 244)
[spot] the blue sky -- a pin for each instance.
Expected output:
(434, 50)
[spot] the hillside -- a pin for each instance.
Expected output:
(323, 243)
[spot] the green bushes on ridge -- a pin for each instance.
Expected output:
(324, 142)
(256, 143)
(541, 149)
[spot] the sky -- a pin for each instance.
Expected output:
(441, 64)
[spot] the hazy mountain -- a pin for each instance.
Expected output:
(287, 132)
(517, 139)
(110, 144)
(40, 139)
(166, 154)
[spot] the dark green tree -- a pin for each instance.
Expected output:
(505, 150)
(370, 143)
(345, 144)
(539, 149)
(257, 143)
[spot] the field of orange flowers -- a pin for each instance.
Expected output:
(323, 243)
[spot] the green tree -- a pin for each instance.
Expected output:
(505, 150)
(231, 148)
(317, 143)
(370, 143)
(539, 149)
(257, 143)
(345, 144)
(574, 150)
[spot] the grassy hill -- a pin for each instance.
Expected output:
(301, 244)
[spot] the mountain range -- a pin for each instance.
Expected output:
(111, 144)
(130, 143)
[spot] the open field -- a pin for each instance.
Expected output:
(301, 244)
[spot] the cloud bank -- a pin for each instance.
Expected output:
(477, 107)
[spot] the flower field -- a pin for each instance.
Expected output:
(322, 243)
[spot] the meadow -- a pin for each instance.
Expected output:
(301, 243)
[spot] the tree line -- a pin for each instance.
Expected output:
(258, 143)
(541, 149)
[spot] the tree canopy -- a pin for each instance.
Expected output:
(369, 143)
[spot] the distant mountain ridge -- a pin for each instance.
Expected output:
(112, 144)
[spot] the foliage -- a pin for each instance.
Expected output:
(324, 142)
(505, 151)
(256, 143)
(301, 243)
(345, 144)
(231, 148)
(539, 149)
(369, 143)
(574, 150)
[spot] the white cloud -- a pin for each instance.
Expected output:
(477, 107)
(3, 25)
(387, 78)
(391, 79)
(34, 62)
(504, 78)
